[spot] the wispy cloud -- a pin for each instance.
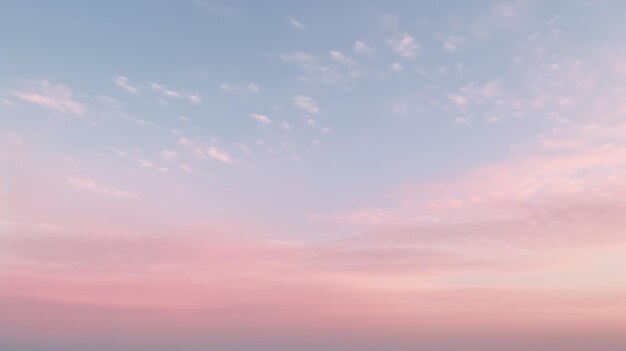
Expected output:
(253, 87)
(173, 94)
(165, 91)
(404, 45)
(261, 118)
(57, 97)
(201, 150)
(458, 100)
(92, 186)
(220, 155)
(176, 159)
(452, 43)
(568, 196)
(341, 58)
(295, 23)
(305, 103)
(139, 160)
(361, 48)
(324, 69)
(396, 67)
(124, 84)
(6, 102)
(195, 98)
(240, 89)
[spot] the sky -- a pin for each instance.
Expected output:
(312, 175)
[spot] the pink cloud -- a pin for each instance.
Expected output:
(140, 268)
(502, 215)
(56, 97)
(92, 186)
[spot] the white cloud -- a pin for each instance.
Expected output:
(139, 121)
(141, 161)
(173, 94)
(174, 158)
(305, 103)
(487, 95)
(285, 126)
(396, 67)
(311, 122)
(505, 10)
(449, 46)
(341, 58)
(184, 118)
(91, 186)
(219, 155)
(361, 48)
(236, 89)
(457, 99)
(123, 83)
(490, 90)
(7, 102)
(295, 23)
(261, 118)
(150, 165)
(298, 57)
(165, 91)
(253, 87)
(230, 88)
(452, 43)
(201, 150)
(318, 70)
(193, 147)
(195, 98)
(404, 45)
(56, 97)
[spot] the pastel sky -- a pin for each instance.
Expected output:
(312, 175)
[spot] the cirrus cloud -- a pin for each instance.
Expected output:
(57, 97)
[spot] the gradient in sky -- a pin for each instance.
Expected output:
(312, 175)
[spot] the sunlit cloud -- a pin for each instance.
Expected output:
(124, 84)
(56, 97)
(91, 186)
(305, 103)
(261, 118)
(404, 45)
(295, 23)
